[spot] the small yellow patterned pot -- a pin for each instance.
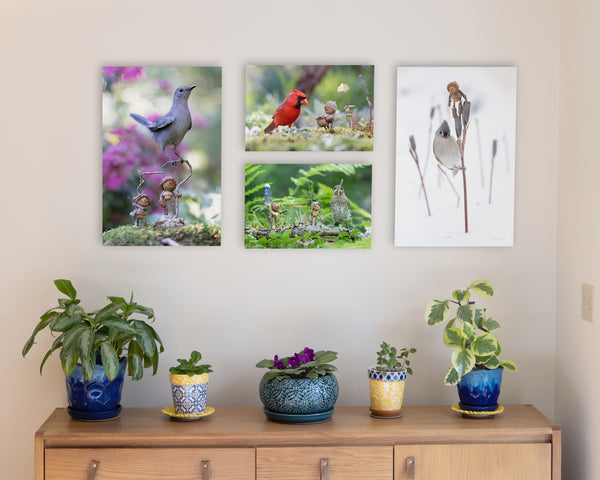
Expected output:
(189, 393)
(387, 393)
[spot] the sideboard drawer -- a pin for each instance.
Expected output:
(150, 463)
(341, 463)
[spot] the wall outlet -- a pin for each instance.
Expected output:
(587, 302)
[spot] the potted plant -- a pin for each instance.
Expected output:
(475, 367)
(95, 349)
(299, 388)
(189, 382)
(387, 380)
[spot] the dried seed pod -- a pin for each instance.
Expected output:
(466, 113)
(457, 126)
(413, 145)
(494, 147)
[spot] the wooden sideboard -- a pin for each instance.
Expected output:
(427, 443)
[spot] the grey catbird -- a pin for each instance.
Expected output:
(171, 128)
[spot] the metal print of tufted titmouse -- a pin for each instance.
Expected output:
(446, 150)
(172, 127)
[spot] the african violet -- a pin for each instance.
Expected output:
(305, 364)
(469, 332)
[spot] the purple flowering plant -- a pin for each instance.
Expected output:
(305, 364)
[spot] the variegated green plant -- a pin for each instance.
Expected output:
(469, 332)
(103, 336)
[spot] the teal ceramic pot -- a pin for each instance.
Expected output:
(96, 399)
(478, 390)
(299, 395)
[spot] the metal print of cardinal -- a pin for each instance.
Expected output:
(161, 156)
(455, 156)
(309, 107)
(308, 206)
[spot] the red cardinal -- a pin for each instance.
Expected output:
(289, 111)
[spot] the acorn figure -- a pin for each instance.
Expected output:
(140, 204)
(168, 197)
(274, 211)
(314, 213)
(326, 121)
(340, 205)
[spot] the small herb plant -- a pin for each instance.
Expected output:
(189, 367)
(389, 360)
(468, 332)
(101, 336)
(305, 364)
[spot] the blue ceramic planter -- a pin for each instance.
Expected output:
(478, 390)
(96, 399)
(299, 395)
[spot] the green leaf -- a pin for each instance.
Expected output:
(509, 365)
(65, 322)
(484, 344)
(452, 377)
(110, 360)
(325, 356)
(489, 325)
(120, 326)
(144, 338)
(135, 361)
(467, 329)
(58, 342)
(461, 295)
(466, 313)
(492, 362)
(266, 363)
(46, 319)
(86, 343)
(462, 360)
(454, 337)
(437, 311)
(68, 358)
(66, 287)
(478, 316)
(482, 288)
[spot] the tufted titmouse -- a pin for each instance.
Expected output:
(446, 150)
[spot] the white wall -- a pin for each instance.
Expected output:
(577, 387)
(239, 306)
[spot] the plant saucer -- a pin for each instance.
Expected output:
(187, 417)
(478, 414)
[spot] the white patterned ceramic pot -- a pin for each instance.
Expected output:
(386, 390)
(189, 393)
(299, 396)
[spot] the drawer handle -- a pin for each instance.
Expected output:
(93, 469)
(205, 466)
(324, 469)
(410, 467)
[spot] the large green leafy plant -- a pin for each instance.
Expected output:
(469, 332)
(106, 335)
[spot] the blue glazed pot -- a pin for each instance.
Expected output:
(299, 395)
(96, 399)
(478, 390)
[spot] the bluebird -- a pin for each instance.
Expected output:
(446, 150)
(172, 127)
(340, 205)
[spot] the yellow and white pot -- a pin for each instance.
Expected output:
(189, 393)
(387, 392)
